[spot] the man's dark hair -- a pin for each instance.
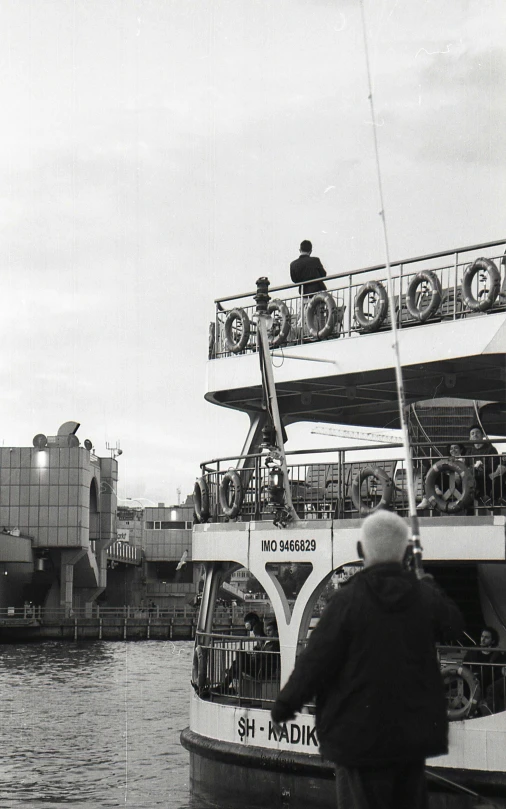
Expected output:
(494, 633)
(477, 427)
(252, 618)
(306, 246)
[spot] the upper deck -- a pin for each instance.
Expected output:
(339, 366)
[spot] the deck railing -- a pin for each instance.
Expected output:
(449, 267)
(232, 669)
(345, 487)
(474, 687)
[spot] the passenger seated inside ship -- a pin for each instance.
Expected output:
(245, 660)
(267, 665)
(253, 623)
(488, 665)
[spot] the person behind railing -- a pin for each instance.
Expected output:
(306, 268)
(487, 468)
(267, 662)
(245, 661)
(485, 662)
(455, 452)
(371, 663)
(254, 624)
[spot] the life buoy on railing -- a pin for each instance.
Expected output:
(486, 300)
(278, 333)
(387, 488)
(201, 503)
(457, 680)
(234, 342)
(313, 313)
(199, 668)
(436, 293)
(442, 502)
(380, 309)
(231, 479)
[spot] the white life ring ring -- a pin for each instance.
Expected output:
(438, 501)
(231, 478)
(279, 335)
(321, 299)
(387, 486)
(231, 343)
(460, 705)
(369, 324)
(201, 501)
(486, 301)
(199, 668)
(436, 293)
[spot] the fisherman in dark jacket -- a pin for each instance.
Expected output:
(307, 267)
(371, 664)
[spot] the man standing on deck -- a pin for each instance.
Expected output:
(305, 268)
(371, 664)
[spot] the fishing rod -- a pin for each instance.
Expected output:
(401, 399)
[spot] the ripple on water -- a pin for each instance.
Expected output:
(94, 724)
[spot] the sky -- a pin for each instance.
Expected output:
(158, 154)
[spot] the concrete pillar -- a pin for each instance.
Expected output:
(69, 558)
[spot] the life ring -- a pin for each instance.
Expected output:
(438, 500)
(312, 315)
(231, 478)
(231, 343)
(387, 485)
(460, 705)
(201, 501)
(486, 301)
(279, 335)
(436, 293)
(199, 668)
(381, 308)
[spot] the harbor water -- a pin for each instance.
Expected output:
(96, 724)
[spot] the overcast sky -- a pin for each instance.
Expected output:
(156, 155)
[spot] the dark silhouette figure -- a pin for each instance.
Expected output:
(305, 268)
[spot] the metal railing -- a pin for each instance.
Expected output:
(474, 687)
(235, 669)
(39, 613)
(340, 488)
(449, 267)
(123, 552)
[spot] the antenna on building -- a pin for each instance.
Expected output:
(115, 451)
(178, 490)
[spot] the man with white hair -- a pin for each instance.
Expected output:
(372, 667)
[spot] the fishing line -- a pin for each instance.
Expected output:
(415, 529)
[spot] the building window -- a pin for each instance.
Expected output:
(173, 524)
(153, 525)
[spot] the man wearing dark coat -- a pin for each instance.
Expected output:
(371, 666)
(305, 268)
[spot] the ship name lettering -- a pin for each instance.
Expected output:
(297, 734)
(246, 728)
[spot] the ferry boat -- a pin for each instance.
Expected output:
(292, 519)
